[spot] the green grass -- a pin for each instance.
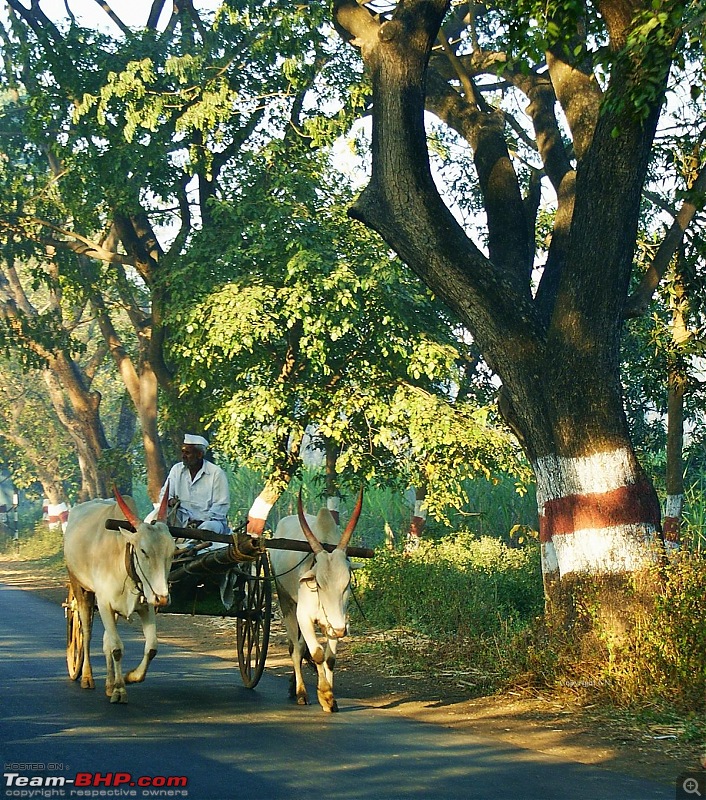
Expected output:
(35, 543)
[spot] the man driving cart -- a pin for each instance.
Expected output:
(198, 489)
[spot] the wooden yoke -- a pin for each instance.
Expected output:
(273, 544)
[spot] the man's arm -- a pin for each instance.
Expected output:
(221, 496)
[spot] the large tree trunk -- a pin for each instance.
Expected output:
(78, 409)
(557, 353)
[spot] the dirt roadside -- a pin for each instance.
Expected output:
(553, 724)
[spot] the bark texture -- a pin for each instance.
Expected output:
(556, 350)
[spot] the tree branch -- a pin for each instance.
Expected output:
(639, 300)
(113, 16)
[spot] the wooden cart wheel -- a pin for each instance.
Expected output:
(253, 620)
(74, 636)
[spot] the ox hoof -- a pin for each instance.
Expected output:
(119, 696)
(88, 683)
(327, 701)
(134, 677)
(302, 700)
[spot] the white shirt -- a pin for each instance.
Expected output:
(206, 497)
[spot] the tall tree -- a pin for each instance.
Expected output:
(34, 444)
(294, 323)
(139, 130)
(606, 66)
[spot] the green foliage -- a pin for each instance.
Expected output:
(38, 543)
(459, 586)
(661, 657)
(289, 318)
(693, 528)
(467, 601)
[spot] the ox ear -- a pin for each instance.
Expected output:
(129, 535)
(309, 575)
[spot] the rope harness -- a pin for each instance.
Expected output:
(131, 564)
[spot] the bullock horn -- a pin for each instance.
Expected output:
(130, 515)
(352, 522)
(310, 537)
(162, 513)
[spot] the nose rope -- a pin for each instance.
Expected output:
(329, 629)
(355, 597)
(136, 577)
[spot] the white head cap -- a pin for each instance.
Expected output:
(189, 438)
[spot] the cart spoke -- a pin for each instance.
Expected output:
(253, 624)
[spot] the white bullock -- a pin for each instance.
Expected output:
(122, 572)
(314, 591)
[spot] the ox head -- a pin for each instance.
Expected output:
(330, 574)
(151, 549)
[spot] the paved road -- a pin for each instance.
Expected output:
(191, 719)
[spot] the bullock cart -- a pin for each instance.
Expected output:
(248, 574)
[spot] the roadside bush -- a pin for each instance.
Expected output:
(663, 657)
(476, 603)
(652, 657)
(461, 601)
(38, 542)
(460, 585)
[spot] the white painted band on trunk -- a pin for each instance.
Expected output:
(260, 508)
(332, 503)
(549, 562)
(599, 550)
(674, 505)
(558, 476)
(57, 510)
(420, 510)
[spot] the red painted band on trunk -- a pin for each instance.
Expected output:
(670, 527)
(256, 526)
(628, 505)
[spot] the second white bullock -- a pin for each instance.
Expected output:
(313, 592)
(122, 572)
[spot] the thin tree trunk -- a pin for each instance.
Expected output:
(78, 410)
(676, 389)
(276, 484)
(419, 518)
(333, 495)
(675, 462)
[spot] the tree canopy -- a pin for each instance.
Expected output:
(183, 199)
